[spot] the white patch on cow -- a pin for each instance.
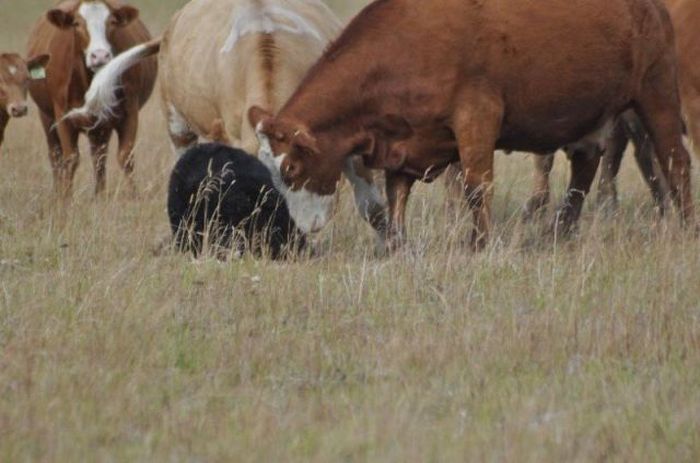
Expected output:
(13, 70)
(268, 20)
(96, 15)
(178, 127)
(368, 199)
(310, 211)
(688, 144)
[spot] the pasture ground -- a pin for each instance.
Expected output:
(530, 351)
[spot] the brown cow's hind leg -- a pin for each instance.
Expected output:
(658, 107)
(541, 192)
(615, 147)
(584, 166)
(646, 161)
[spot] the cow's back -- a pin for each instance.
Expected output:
(575, 63)
(219, 57)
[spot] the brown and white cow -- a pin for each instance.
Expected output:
(15, 74)
(81, 37)
(218, 58)
(407, 76)
(685, 15)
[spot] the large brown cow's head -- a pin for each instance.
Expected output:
(306, 167)
(15, 74)
(94, 23)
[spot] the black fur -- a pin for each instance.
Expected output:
(228, 195)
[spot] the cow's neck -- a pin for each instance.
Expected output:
(346, 89)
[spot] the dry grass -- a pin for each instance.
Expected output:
(576, 351)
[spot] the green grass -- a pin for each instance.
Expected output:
(530, 351)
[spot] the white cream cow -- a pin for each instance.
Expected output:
(218, 58)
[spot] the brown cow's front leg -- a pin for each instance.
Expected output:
(368, 198)
(4, 118)
(126, 131)
(477, 125)
(454, 189)
(541, 192)
(398, 189)
(69, 157)
(615, 147)
(584, 166)
(99, 142)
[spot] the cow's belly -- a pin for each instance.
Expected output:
(548, 132)
(544, 112)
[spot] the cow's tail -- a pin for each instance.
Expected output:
(101, 98)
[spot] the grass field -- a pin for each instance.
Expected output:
(586, 350)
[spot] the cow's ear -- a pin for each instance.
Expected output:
(392, 127)
(258, 117)
(61, 18)
(375, 152)
(39, 61)
(37, 67)
(124, 15)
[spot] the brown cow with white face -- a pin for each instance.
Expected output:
(472, 77)
(15, 74)
(81, 36)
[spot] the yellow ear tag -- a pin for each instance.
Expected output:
(37, 73)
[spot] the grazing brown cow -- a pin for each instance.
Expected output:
(685, 15)
(407, 76)
(15, 74)
(217, 58)
(81, 37)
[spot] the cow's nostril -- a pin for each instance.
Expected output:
(100, 57)
(18, 110)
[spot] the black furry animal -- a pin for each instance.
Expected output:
(222, 197)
